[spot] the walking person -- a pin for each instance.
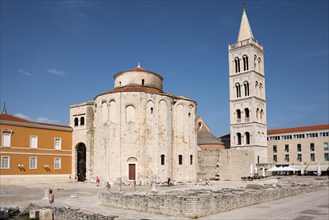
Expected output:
(97, 180)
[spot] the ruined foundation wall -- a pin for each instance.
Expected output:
(198, 203)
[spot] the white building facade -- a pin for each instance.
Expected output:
(248, 127)
(135, 131)
(300, 147)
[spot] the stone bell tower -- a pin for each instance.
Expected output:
(247, 93)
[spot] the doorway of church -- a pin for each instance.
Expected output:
(132, 171)
(81, 162)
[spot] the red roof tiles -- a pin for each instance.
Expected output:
(298, 129)
(7, 117)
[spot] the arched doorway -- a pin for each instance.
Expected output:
(81, 161)
(132, 162)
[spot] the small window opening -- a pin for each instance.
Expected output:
(143, 81)
(162, 159)
(180, 159)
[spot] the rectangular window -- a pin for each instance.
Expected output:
(299, 147)
(33, 141)
(275, 150)
(312, 157)
(299, 136)
(33, 163)
(5, 162)
(286, 158)
(57, 163)
(58, 143)
(325, 146)
(324, 134)
(6, 139)
(286, 148)
(326, 156)
(275, 158)
(286, 137)
(312, 147)
(312, 135)
(299, 157)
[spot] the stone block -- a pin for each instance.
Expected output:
(46, 214)
(254, 186)
(34, 213)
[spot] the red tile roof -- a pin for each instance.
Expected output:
(7, 117)
(298, 129)
(141, 89)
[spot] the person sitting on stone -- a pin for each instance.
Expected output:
(51, 197)
(107, 186)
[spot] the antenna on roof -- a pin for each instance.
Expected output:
(4, 110)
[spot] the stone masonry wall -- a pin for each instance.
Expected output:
(226, 164)
(198, 203)
(67, 213)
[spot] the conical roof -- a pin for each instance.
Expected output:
(245, 29)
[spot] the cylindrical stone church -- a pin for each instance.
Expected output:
(135, 131)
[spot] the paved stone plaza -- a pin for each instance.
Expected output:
(85, 197)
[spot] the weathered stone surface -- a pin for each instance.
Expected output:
(198, 203)
(68, 213)
(254, 186)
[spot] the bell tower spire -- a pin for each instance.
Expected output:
(245, 31)
(4, 110)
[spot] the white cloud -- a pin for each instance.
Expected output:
(25, 72)
(56, 72)
(39, 119)
(22, 116)
(46, 120)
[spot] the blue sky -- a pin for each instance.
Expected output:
(58, 53)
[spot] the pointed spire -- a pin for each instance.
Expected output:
(4, 110)
(139, 66)
(245, 29)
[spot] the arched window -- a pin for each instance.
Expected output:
(191, 159)
(260, 89)
(82, 121)
(162, 157)
(255, 62)
(238, 135)
(104, 112)
(151, 110)
(257, 113)
(246, 113)
(143, 81)
(258, 64)
(180, 159)
(245, 62)
(238, 90)
(246, 88)
(237, 64)
(261, 115)
(130, 113)
(76, 121)
(238, 115)
(247, 134)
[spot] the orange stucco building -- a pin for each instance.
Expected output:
(33, 150)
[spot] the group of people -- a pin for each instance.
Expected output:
(107, 184)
